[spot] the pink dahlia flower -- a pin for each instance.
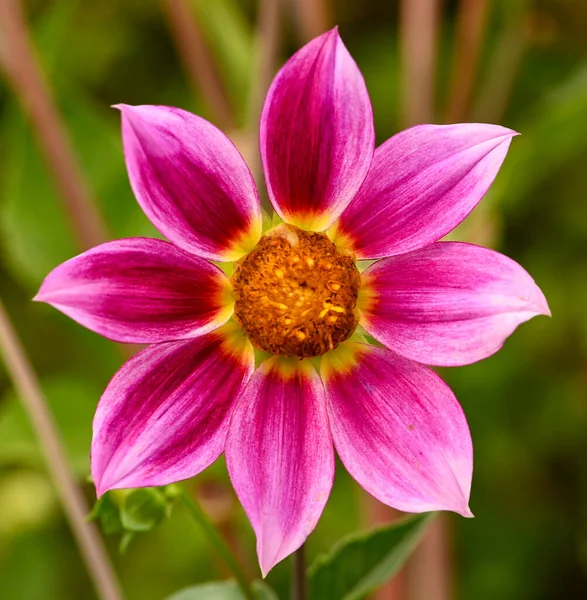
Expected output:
(271, 364)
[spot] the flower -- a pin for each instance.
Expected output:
(296, 295)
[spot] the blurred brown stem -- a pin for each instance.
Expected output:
(376, 513)
(419, 23)
(266, 47)
(198, 62)
(471, 23)
(23, 73)
(430, 567)
(88, 539)
(313, 16)
(298, 575)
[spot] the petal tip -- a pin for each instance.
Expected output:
(43, 295)
(332, 38)
(267, 560)
(136, 115)
(510, 132)
(462, 509)
(100, 492)
(101, 473)
(458, 504)
(500, 134)
(265, 570)
(270, 555)
(539, 303)
(122, 107)
(101, 489)
(543, 306)
(130, 115)
(511, 135)
(330, 33)
(467, 513)
(106, 482)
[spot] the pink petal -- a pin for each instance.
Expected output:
(191, 181)
(140, 290)
(449, 303)
(164, 415)
(422, 183)
(317, 135)
(398, 429)
(280, 456)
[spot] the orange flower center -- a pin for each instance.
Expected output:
(296, 293)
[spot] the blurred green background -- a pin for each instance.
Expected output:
(527, 405)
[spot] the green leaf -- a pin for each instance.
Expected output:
(361, 562)
(223, 590)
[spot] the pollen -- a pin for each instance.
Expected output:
(296, 294)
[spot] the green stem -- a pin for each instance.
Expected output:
(219, 544)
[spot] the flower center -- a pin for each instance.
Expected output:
(295, 293)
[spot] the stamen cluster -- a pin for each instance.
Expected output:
(296, 294)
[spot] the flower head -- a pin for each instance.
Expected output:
(296, 299)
